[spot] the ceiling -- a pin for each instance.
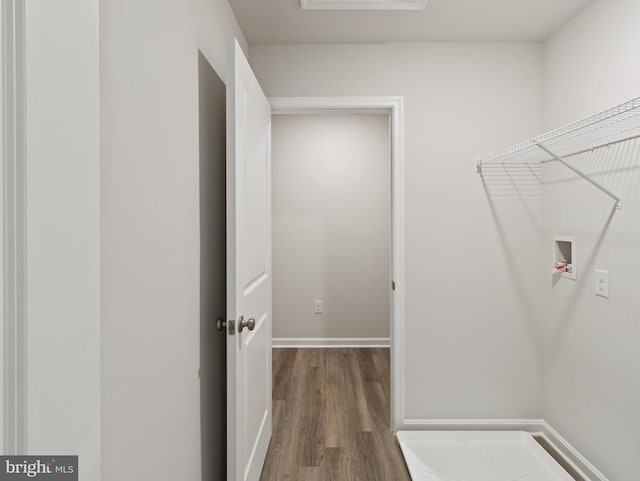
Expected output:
(283, 21)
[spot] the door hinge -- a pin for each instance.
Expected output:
(232, 327)
(393, 285)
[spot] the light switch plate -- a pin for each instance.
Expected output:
(602, 283)
(317, 307)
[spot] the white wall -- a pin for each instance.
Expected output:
(150, 231)
(331, 178)
(473, 248)
(63, 230)
(589, 63)
(592, 373)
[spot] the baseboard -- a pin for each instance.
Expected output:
(577, 461)
(331, 342)
(535, 427)
(532, 426)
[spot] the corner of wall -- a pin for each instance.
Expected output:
(589, 66)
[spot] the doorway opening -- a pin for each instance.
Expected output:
(338, 249)
(393, 108)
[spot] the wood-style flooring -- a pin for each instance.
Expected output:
(331, 417)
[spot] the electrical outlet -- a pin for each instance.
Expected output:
(317, 307)
(602, 283)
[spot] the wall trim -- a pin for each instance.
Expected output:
(531, 426)
(571, 455)
(329, 342)
(363, 4)
(394, 107)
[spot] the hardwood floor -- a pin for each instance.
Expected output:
(331, 417)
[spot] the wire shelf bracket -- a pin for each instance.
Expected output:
(583, 175)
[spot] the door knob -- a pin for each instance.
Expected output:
(249, 323)
(221, 324)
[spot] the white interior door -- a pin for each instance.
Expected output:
(248, 270)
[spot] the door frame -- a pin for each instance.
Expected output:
(394, 107)
(13, 288)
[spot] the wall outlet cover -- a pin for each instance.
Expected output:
(602, 283)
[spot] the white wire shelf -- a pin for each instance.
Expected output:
(618, 124)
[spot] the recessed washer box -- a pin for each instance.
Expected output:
(477, 456)
(564, 251)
